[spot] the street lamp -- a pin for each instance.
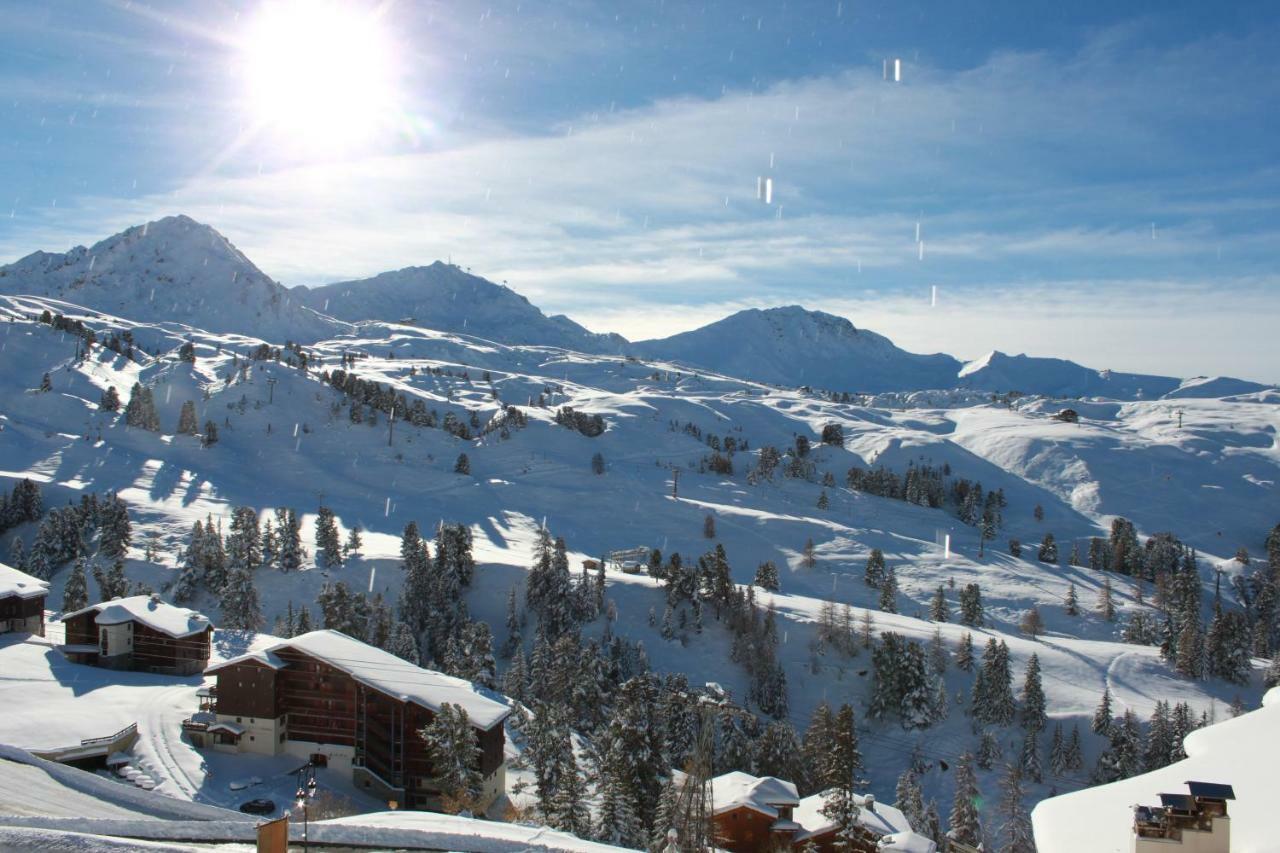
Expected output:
(305, 793)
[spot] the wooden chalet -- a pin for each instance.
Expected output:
(140, 632)
(347, 705)
(879, 827)
(753, 813)
(1196, 821)
(21, 602)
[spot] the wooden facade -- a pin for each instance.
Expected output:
(320, 704)
(746, 830)
(18, 613)
(135, 645)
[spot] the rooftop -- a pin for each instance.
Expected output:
(760, 793)
(878, 819)
(148, 610)
(21, 584)
(387, 674)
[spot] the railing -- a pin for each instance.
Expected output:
(130, 729)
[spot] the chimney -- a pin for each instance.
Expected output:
(869, 802)
(155, 599)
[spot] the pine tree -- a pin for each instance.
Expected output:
(1102, 716)
(110, 400)
(971, 605)
(809, 555)
(1159, 738)
(328, 541)
(1272, 676)
(463, 465)
(240, 608)
(938, 656)
(75, 593)
(992, 692)
(210, 434)
(455, 757)
(304, 622)
(1033, 703)
(818, 745)
(1106, 604)
(963, 823)
(889, 592)
(1073, 603)
(823, 502)
(1015, 548)
(289, 553)
(964, 652)
(1123, 757)
(988, 750)
(1228, 648)
(617, 822)
(187, 422)
(140, 412)
(867, 629)
(1048, 552)
(767, 576)
(1029, 762)
(354, 542)
(874, 572)
(1074, 757)
(938, 610)
(909, 799)
(1016, 832)
(1058, 752)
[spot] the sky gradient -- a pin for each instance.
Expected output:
(1087, 182)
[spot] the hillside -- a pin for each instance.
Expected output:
(287, 438)
(791, 346)
(1058, 377)
(443, 297)
(174, 270)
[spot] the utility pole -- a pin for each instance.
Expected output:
(391, 424)
(675, 482)
(1179, 418)
(271, 387)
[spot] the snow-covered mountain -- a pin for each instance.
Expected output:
(172, 270)
(1058, 377)
(790, 346)
(444, 297)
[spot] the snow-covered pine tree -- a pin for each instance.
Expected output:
(1102, 715)
(889, 591)
(971, 605)
(817, 749)
(1048, 552)
(328, 541)
(1123, 756)
(289, 554)
(1073, 603)
(1106, 603)
(110, 400)
(1016, 833)
(1228, 647)
(1033, 703)
(1074, 758)
(402, 643)
(964, 652)
(1058, 752)
(992, 691)
(909, 799)
(75, 593)
(1159, 744)
(463, 465)
(767, 576)
(1029, 761)
(455, 757)
(809, 554)
(963, 822)
(989, 751)
(939, 657)
(938, 610)
(354, 542)
(240, 608)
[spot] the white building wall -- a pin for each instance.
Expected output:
(338, 757)
(119, 638)
(261, 734)
(1193, 841)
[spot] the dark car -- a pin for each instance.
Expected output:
(259, 807)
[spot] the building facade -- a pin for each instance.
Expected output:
(140, 632)
(21, 602)
(753, 813)
(349, 706)
(1196, 822)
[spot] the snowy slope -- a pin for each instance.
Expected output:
(791, 346)
(1242, 752)
(287, 440)
(442, 296)
(174, 269)
(1058, 377)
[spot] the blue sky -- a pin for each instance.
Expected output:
(1091, 180)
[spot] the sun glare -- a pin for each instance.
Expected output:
(319, 75)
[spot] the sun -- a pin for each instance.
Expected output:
(319, 75)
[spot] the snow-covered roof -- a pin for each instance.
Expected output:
(906, 842)
(150, 611)
(1242, 752)
(266, 658)
(396, 677)
(21, 584)
(759, 793)
(234, 728)
(879, 819)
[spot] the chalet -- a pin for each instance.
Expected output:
(1196, 821)
(21, 602)
(880, 827)
(346, 705)
(140, 632)
(753, 813)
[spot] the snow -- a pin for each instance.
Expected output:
(907, 842)
(1056, 377)
(760, 793)
(1243, 752)
(20, 584)
(150, 611)
(449, 832)
(880, 819)
(396, 677)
